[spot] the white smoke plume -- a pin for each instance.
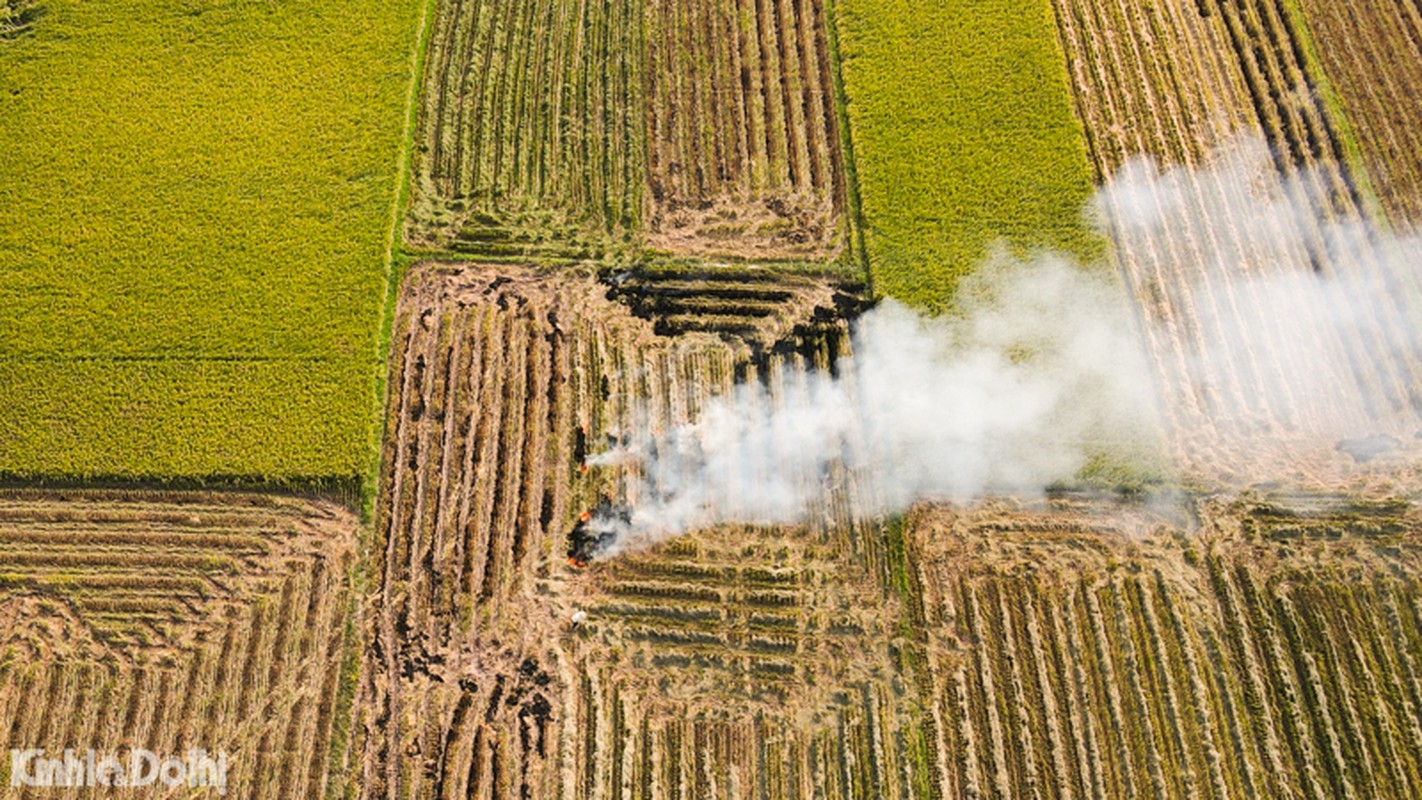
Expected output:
(1012, 395)
(1243, 312)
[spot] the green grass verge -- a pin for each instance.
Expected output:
(964, 137)
(397, 260)
(1355, 161)
(195, 205)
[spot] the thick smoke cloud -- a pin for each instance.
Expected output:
(1040, 368)
(1248, 304)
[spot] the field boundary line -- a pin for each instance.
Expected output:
(342, 755)
(395, 262)
(854, 209)
(157, 358)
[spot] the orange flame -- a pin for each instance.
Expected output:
(587, 515)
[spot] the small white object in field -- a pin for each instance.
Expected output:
(579, 617)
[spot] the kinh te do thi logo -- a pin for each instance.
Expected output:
(39, 768)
